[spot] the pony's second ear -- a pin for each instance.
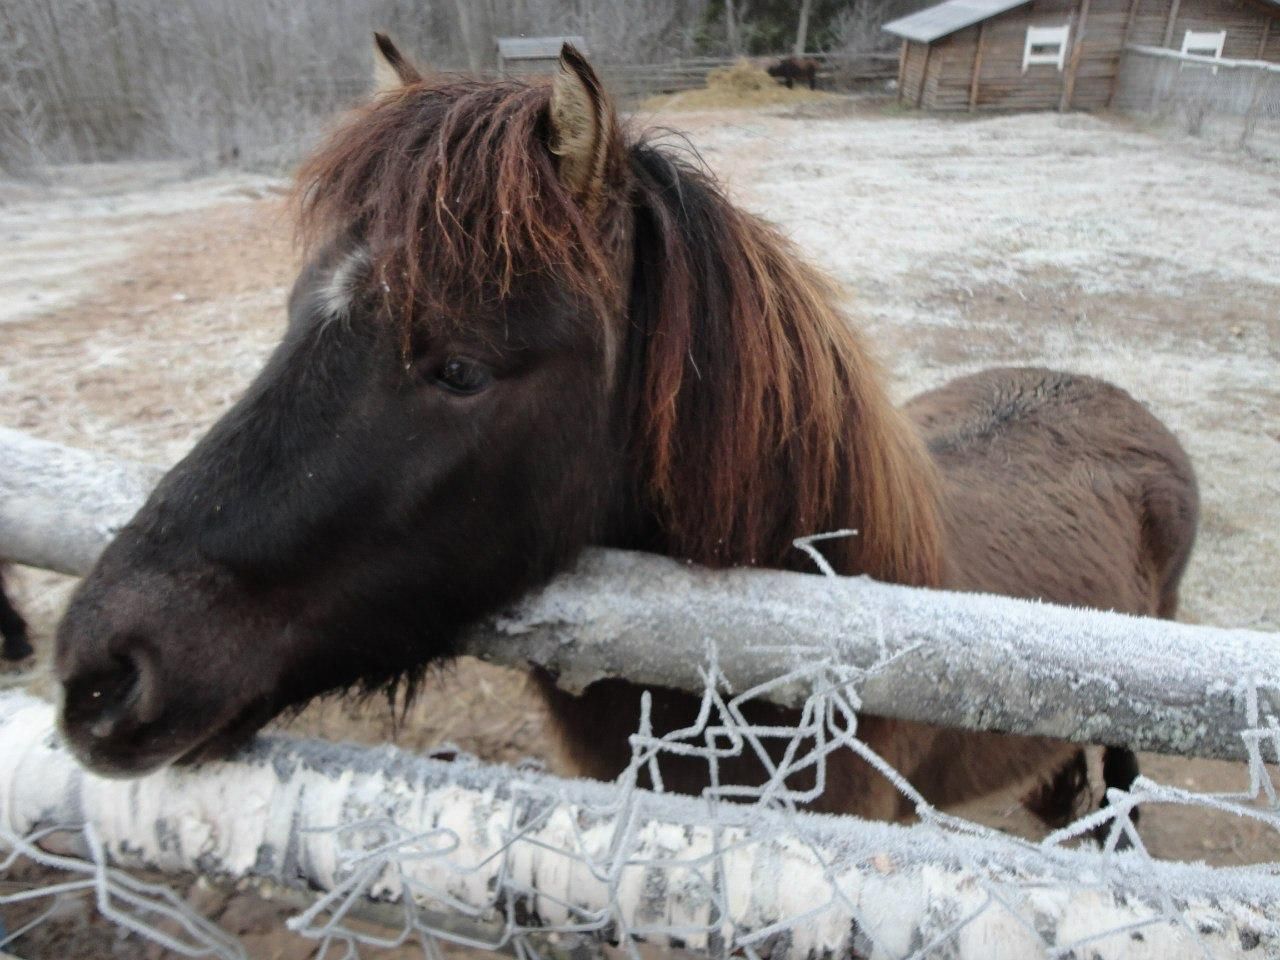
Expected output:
(391, 68)
(582, 125)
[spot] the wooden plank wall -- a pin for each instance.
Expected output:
(1102, 46)
(1244, 20)
(951, 68)
(1002, 85)
(913, 74)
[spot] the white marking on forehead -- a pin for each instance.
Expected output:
(336, 294)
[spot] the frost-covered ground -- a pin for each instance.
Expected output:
(133, 308)
(1068, 241)
(92, 216)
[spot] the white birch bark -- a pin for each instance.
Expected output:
(505, 852)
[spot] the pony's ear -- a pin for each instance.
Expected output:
(582, 125)
(391, 68)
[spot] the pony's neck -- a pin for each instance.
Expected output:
(757, 414)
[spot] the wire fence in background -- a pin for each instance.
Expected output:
(1235, 103)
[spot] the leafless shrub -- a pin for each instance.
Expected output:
(857, 27)
(252, 81)
(27, 141)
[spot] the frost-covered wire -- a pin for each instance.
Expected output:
(510, 861)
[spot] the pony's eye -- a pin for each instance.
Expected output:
(462, 376)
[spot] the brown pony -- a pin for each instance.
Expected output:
(791, 69)
(521, 332)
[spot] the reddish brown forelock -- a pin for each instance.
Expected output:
(453, 189)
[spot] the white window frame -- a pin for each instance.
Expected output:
(1204, 44)
(1042, 37)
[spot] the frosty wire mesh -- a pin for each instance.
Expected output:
(1234, 103)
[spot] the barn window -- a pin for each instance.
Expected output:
(1047, 46)
(1202, 44)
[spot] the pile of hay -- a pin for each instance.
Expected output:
(744, 84)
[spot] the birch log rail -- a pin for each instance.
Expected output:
(962, 660)
(507, 853)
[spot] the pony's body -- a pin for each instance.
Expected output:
(791, 69)
(1054, 487)
(521, 333)
(1040, 467)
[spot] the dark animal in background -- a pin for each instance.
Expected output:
(791, 69)
(521, 332)
(13, 629)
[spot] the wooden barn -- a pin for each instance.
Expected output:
(1062, 54)
(522, 56)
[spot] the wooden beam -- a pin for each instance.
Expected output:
(1077, 48)
(1173, 18)
(1266, 34)
(924, 74)
(977, 67)
(902, 68)
(1124, 43)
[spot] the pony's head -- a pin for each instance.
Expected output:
(516, 334)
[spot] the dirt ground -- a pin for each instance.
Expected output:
(134, 306)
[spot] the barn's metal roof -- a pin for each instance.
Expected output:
(536, 48)
(932, 23)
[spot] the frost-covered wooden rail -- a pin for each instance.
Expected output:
(510, 852)
(970, 661)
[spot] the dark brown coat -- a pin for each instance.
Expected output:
(791, 69)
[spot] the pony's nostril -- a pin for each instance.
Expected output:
(101, 701)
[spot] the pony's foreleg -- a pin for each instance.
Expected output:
(855, 785)
(13, 629)
(1119, 770)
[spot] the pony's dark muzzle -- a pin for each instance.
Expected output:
(148, 676)
(99, 701)
(113, 695)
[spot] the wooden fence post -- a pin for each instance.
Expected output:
(924, 74)
(1124, 43)
(1169, 25)
(974, 78)
(902, 69)
(1077, 50)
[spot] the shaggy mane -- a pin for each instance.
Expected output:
(764, 417)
